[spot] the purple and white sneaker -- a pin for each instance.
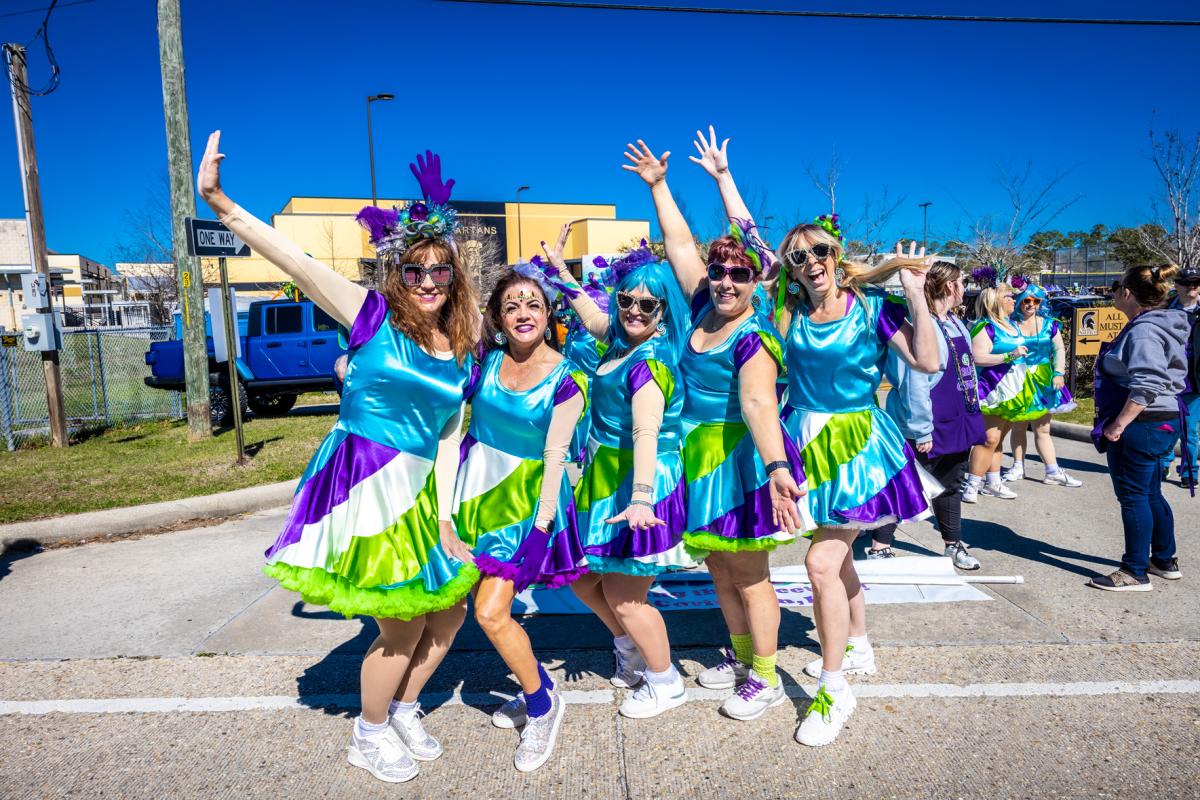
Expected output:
(725, 675)
(753, 698)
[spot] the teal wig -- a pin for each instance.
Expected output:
(656, 278)
(1032, 290)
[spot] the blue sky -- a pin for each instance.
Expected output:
(548, 98)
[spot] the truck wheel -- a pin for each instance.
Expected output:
(219, 401)
(275, 405)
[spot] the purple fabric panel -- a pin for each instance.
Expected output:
(1053, 328)
(639, 376)
(464, 447)
(552, 563)
(751, 520)
(699, 301)
(355, 460)
(745, 349)
(473, 381)
(990, 377)
(892, 316)
(629, 543)
(372, 314)
(902, 498)
(567, 388)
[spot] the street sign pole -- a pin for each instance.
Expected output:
(235, 394)
(1071, 366)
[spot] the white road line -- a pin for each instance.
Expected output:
(165, 705)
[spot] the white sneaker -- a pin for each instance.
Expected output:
(1061, 478)
(539, 736)
(825, 717)
(629, 670)
(854, 662)
(962, 559)
(408, 726)
(383, 755)
(512, 714)
(1014, 473)
(726, 675)
(651, 699)
(999, 490)
(752, 698)
(970, 493)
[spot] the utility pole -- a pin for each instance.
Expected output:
(183, 204)
(14, 55)
(925, 221)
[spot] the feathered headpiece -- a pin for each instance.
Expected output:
(545, 276)
(743, 232)
(988, 277)
(393, 231)
(627, 263)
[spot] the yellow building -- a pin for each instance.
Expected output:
(489, 233)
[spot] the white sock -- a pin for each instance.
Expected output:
(1018, 465)
(667, 676)
(364, 728)
(974, 480)
(993, 479)
(624, 644)
(859, 643)
(833, 681)
(1053, 469)
(396, 708)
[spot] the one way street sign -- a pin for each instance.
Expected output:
(207, 237)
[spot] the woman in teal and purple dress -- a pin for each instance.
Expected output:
(741, 493)
(586, 351)
(858, 470)
(630, 498)
(369, 530)
(512, 501)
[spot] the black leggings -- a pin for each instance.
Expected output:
(947, 506)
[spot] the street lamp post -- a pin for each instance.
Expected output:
(925, 221)
(371, 141)
(519, 190)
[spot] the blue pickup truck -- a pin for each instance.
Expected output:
(288, 347)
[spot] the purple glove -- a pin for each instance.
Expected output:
(428, 172)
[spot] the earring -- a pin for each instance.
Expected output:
(793, 287)
(500, 338)
(546, 333)
(756, 301)
(662, 327)
(839, 275)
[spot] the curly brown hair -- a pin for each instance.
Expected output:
(459, 317)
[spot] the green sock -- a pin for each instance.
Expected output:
(764, 667)
(743, 647)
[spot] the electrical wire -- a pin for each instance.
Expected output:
(871, 15)
(43, 32)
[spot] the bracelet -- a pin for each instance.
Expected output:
(643, 487)
(645, 503)
(774, 465)
(1058, 374)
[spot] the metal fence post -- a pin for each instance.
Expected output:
(103, 382)
(92, 372)
(6, 399)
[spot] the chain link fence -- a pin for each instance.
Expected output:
(102, 376)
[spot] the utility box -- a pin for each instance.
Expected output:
(35, 291)
(40, 332)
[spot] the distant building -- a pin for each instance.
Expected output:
(1091, 267)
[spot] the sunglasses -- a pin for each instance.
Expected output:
(799, 256)
(647, 305)
(415, 274)
(717, 273)
(1031, 301)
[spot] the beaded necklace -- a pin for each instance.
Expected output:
(964, 370)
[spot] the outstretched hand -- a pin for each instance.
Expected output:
(555, 255)
(913, 278)
(713, 159)
(208, 178)
(649, 167)
(784, 492)
(637, 517)
(428, 172)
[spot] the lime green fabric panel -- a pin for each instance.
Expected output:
(336, 593)
(843, 437)
(607, 470)
(709, 445)
(513, 499)
(662, 376)
(397, 553)
(775, 348)
(581, 380)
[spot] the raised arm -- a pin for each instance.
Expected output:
(336, 294)
(916, 341)
(690, 270)
(593, 319)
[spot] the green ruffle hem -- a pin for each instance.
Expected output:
(322, 588)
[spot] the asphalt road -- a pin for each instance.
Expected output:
(169, 666)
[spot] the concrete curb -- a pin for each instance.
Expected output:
(122, 521)
(1071, 430)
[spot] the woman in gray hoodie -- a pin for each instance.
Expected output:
(1138, 379)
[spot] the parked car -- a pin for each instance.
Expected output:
(288, 347)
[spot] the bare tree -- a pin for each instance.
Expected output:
(479, 244)
(826, 183)
(1177, 161)
(868, 229)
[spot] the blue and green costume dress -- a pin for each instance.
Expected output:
(586, 351)
(606, 487)
(362, 536)
(1021, 390)
(728, 496)
(500, 480)
(857, 468)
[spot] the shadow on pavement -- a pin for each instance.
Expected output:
(1003, 539)
(15, 551)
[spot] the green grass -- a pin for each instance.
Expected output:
(150, 462)
(1082, 414)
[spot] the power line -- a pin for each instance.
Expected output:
(779, 12)
(44, 8)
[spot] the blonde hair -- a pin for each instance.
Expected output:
(987, 305)
(856, 275)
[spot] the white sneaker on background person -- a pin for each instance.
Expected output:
(407, 725)
(962, 559)
(1061, 478)
(725, 675)
(826, 716)
(630, 667)
(997, 490)
(539, 736)
(653, 698)
(382, 754)
(1014, 473)
(856, 661)
(753, 698)
(512, 714)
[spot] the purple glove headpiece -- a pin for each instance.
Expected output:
(393, 231)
